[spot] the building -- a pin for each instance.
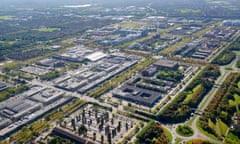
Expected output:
(3, 86)
(93, 57)
(137, 95)
(47, 96)
(149, 72)
(49, 62)
(166, 64)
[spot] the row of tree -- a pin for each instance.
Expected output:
(180, 109)
(220, 108)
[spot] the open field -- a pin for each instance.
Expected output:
(5, 17)
(47, 29)
(183, 11)
(175, 46)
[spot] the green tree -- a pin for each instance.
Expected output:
(82, 130)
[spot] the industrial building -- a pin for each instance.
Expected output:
(22, 109)
(100, 67)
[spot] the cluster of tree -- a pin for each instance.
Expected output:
(220, 108)
(238, 63)
(51, 75)
(24, 55)
(235, 45)
(179, 109)
(2, 58)
(173, 76)
(59, 140)
(184, 130)
(194, 8)
(225, 57)
(153, 133)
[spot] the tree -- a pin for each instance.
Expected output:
(109, 138)
(102, 139)
(119, 126)
(82, 130)
(94, 136)
(73, 124)
(126, 126)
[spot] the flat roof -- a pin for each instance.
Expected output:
(166, 63)
(96, 56)
(138, 95)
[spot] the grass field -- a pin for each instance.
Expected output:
(205, 132)
(178, 140)
(184, 11)
(5, 17)
(47, 29)
(220, 127)
(189, 96)
(130, 25)
(232, 139)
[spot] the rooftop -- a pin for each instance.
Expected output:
(95, 56)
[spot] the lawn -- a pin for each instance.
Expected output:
(5, 17)
(220, 127)
(178, 140)
(47, 29)
(184, 130)
(239, 84)
(169, 135)
(232, 139)
(198, 141)
(189, 96)
(205, 132)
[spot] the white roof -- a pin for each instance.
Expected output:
(96, 56)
